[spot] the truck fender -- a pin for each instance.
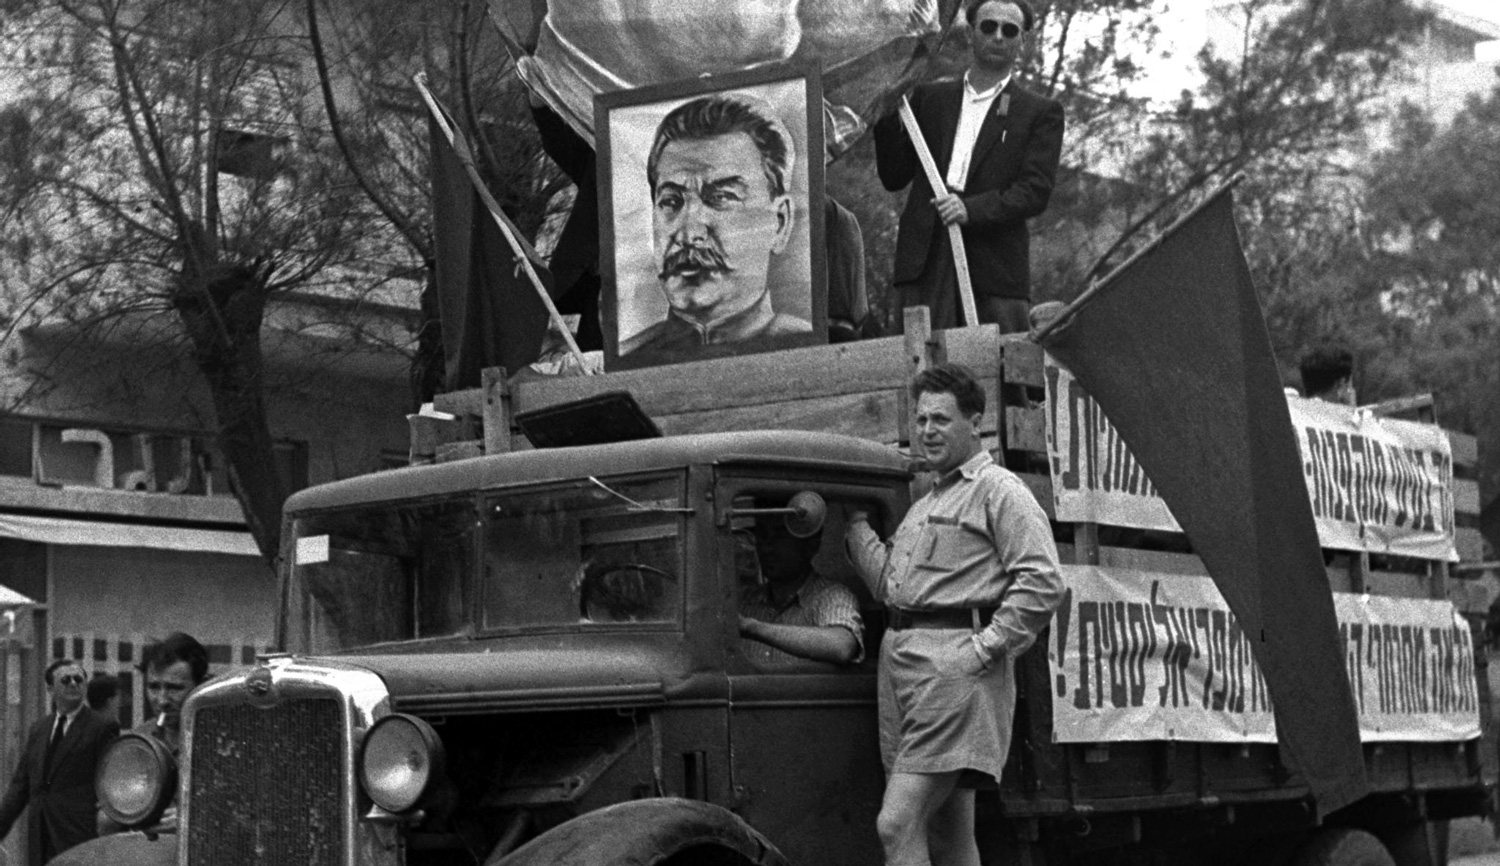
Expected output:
(122, 849)
(663, 830)
(1342, 846)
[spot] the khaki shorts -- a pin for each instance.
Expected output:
(934, 718)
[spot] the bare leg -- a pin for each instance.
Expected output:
(912, 800)
(950, 833)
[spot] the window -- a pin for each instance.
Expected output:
(585, 554)
(799, 581)
(384, 573)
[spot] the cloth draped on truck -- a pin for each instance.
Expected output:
(1173, 346)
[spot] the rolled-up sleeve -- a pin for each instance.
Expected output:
(834, 604)
(867, 552)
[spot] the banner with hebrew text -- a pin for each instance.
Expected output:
(1139, 655)
(1377, 484)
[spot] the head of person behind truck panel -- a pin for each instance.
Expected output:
(104, 695)
(1328, 374)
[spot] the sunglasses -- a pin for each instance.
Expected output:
(71, 679)
(1008, 29)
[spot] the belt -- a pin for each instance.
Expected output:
(953, 617)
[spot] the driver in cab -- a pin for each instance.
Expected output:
(787, 610)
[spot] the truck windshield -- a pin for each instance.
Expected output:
(382, 573)
(585, 553)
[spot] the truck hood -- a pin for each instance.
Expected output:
(535, 679)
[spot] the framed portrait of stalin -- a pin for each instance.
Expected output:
(711, 217)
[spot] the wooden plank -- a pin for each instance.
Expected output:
(975, 348)
(469, 401)
(1041, 488)
(1153, 560)
(449, 451)
(920, 349)
(1396, 584)
(874, 416)
(22, 493)
(747, 380)
(1466, 496)
(1023, 361)
(1437, 579)
(1470, 596)
(1338, 577)
(1402, 405)
(1465, 448)
(1026, 428)
(1359, 571)
(751, 380)
(1470, 544)
(498, 418)
(1085, 544)
(880, 416)
(428, 435)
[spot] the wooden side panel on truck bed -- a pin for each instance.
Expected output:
(1208, 780)
(858, 389)
(1098, 794)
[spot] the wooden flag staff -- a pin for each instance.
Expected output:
(518, 245)
(955, 231)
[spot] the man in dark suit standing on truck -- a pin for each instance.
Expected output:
(998, 145)
(55, 775)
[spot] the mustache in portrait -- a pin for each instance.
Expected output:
(694, 257)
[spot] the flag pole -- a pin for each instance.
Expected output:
(955, 231)
(1063, 316)
(518, 244)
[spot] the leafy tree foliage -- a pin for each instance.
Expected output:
(1433, 268)
(164, 178)
(364, 55)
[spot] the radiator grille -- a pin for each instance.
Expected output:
(267, 787)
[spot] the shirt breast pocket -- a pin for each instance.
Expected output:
(946, 548)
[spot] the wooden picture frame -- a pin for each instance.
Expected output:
(710, 262)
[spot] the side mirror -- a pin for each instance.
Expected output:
(804, 513)
(808, 511)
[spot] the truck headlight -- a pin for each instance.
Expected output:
(136, 780)
(401, 760)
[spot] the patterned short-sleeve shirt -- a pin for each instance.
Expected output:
(820, 602)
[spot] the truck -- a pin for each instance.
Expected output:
(519, 655)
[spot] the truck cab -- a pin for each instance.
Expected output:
(553, 631)
(528, 655)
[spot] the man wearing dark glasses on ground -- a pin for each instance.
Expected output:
(997, 145)
(55, 774)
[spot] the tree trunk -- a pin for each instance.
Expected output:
(222, 308)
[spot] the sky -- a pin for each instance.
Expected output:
(1184, 28)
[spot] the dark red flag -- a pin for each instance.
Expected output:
(1174, 348)
(490, 313)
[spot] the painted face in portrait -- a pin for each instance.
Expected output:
(715, 225)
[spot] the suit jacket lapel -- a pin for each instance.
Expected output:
(952, 105)
(69, 739)
(994, 124)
